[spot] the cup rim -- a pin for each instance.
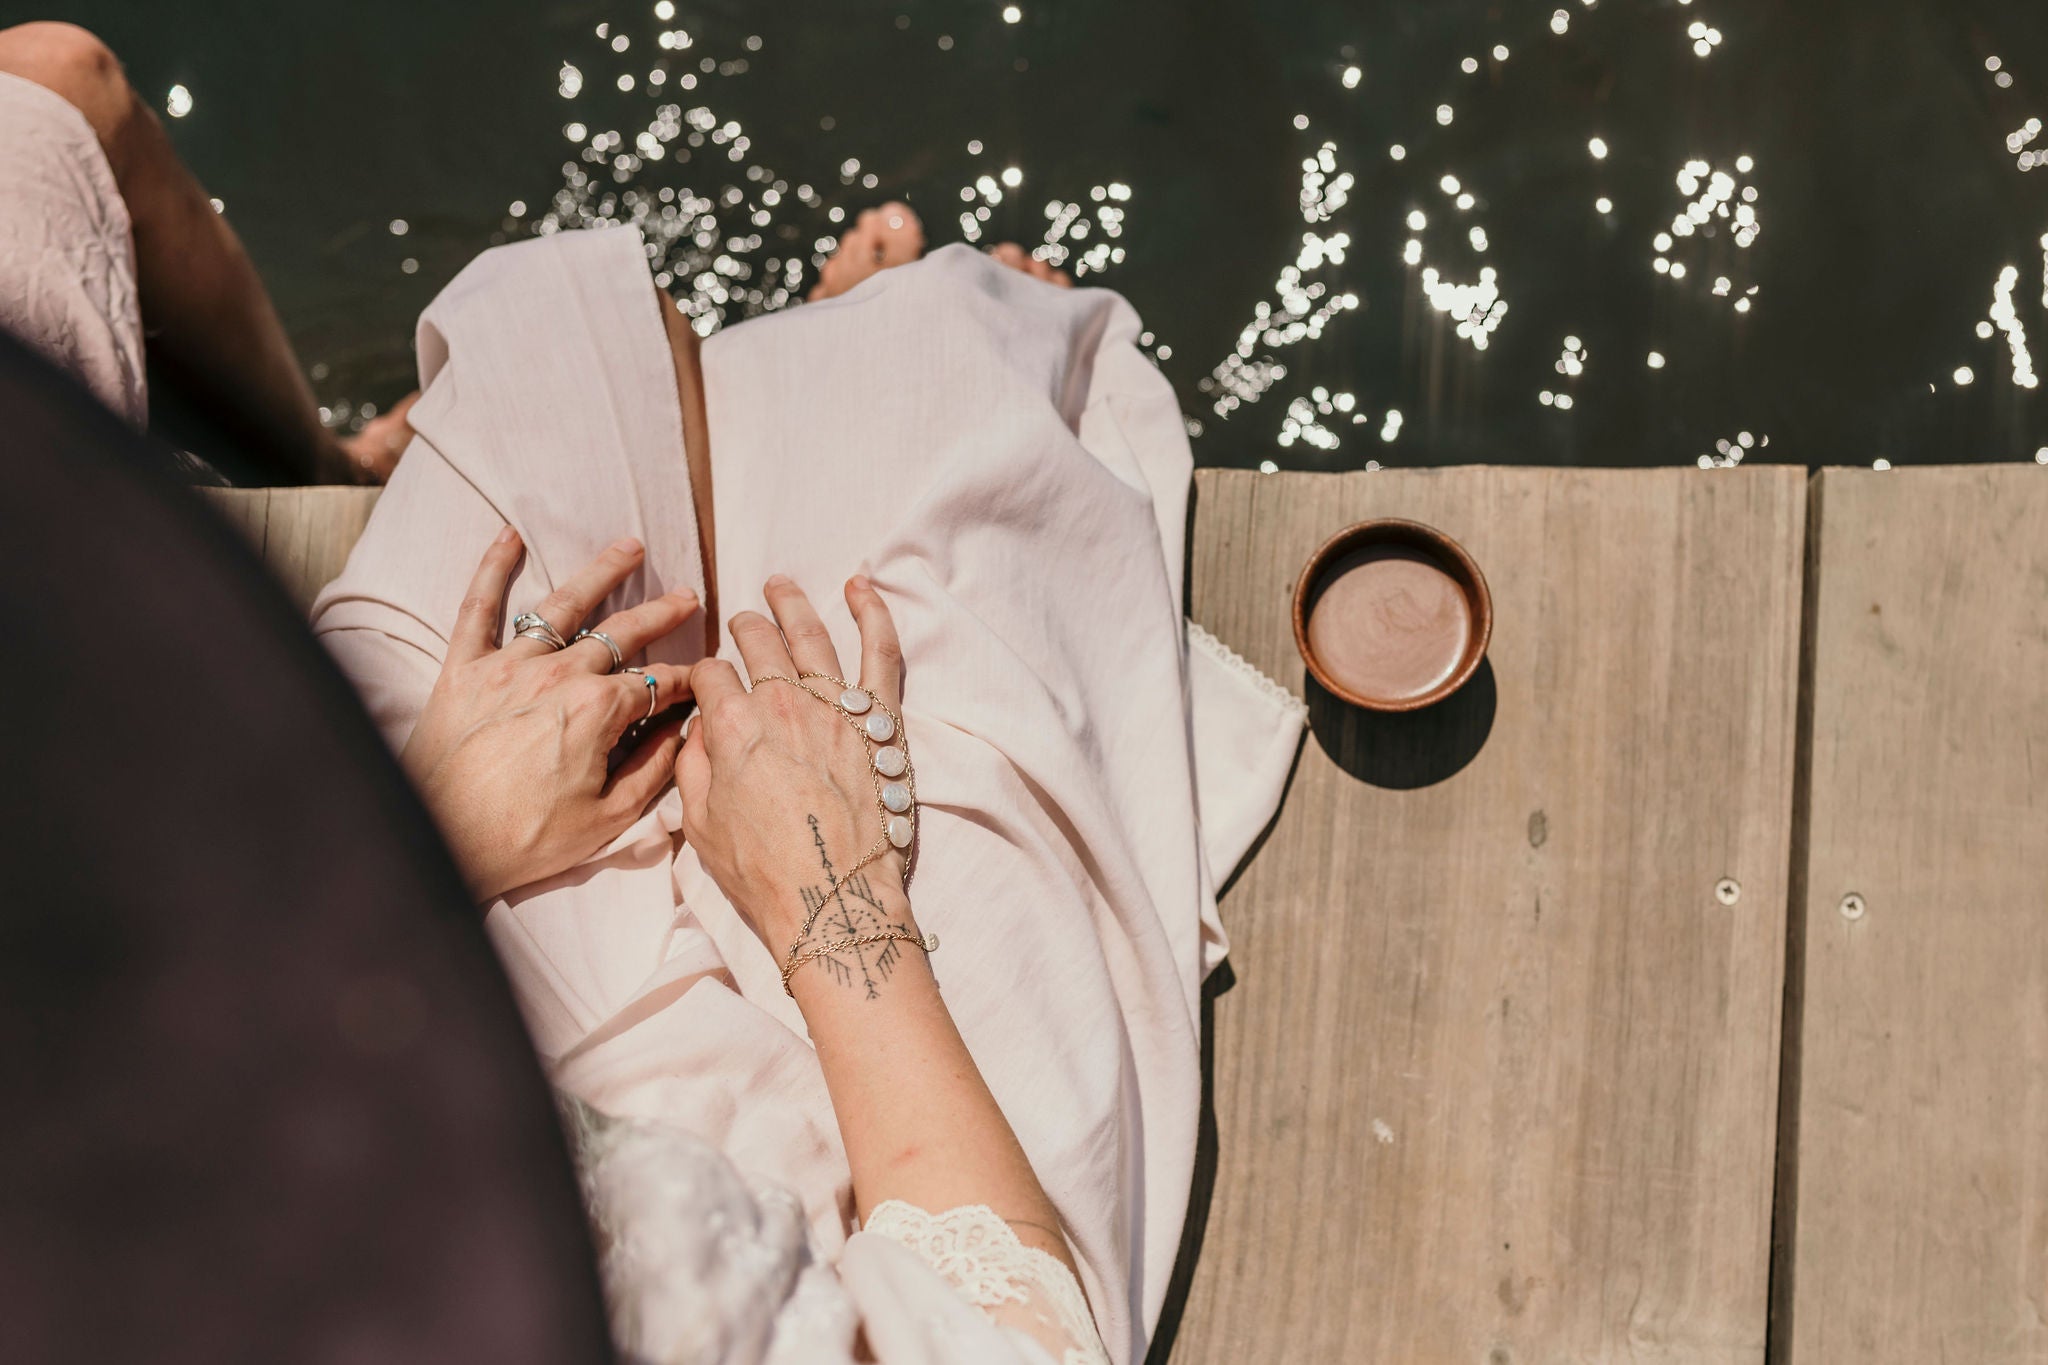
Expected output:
(1450, 556)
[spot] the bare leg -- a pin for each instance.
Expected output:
(208, 318)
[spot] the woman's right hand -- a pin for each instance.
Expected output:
(510, 751)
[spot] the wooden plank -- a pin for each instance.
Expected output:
(303, 534)
(1497, 1079)
(1916, 1229)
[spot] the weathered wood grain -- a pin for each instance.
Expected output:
(303, 534)
(1497, 1080)
(1915, 1226)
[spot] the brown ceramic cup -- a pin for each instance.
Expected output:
(1392, 615)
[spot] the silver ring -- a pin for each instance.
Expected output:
(528, 625)
(618, 659)
(653, 690)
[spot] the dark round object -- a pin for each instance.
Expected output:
(1392, 615)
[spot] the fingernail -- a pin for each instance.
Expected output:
(779, 581)
(507, 536)
(628, 546)
(860, 582)
(683, 594)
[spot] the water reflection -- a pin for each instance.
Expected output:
(1608, 170)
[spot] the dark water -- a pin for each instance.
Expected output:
(1884, 308)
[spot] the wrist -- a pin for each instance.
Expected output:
(855, 934)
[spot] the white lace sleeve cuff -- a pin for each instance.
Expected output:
(1020, 1288)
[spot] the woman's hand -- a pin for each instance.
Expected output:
(510, 752)
(778, 798)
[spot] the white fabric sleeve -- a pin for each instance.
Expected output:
(1025, 1293)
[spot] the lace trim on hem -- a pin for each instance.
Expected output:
(980, 1254)
(1246, 669)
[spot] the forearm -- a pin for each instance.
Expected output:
(917, 1120)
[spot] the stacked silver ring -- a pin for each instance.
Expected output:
(618, 658)
(529, 625)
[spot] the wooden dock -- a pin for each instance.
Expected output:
(1677, 992)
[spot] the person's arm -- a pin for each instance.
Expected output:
(777, 798)
(917, 1119)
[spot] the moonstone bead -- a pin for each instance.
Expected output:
(855, 702)
(899, 831)
(880, 728)
(896, 796)
(891, 762)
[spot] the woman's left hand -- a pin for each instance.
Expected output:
(510, 751)
(778, 791)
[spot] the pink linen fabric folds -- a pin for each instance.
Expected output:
(999, 457)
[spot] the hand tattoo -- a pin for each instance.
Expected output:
(850, 908)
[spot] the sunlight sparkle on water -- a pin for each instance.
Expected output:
(2005, 316)
(1713, 196)
(1728, 453)
(1304, 302)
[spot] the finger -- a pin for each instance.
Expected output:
(693, 780)
(642, 776)
(634, 629)
(761, 646)
(567, 605)
(476, 624)
(810, 647)
(881, 654)
(639, 701)
(715, 684)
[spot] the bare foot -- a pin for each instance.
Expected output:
(1017, 258)
(892, 235)
(879, 238)
(373, 452)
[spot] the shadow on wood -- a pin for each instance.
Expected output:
(1403, 750)
(1203, 1190)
